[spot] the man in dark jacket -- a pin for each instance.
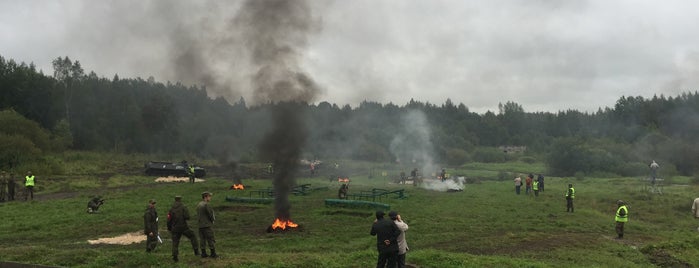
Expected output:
(386, 233)
(177, 219)
(150, 222)
(11, 188)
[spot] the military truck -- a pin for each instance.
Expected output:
(159, 168)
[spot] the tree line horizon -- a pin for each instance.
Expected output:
(71, 110)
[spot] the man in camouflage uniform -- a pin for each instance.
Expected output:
(3, 186)
(11, 187)
(177, 219)
(150, 222)
(206, 222)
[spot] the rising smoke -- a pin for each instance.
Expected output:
(413, 144)
(275, 34)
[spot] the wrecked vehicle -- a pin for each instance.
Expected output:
(158, 168)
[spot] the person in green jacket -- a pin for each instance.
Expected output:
(150, 229)
(177, 219)
(206, 222)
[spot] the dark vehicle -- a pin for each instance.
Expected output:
(172, 169)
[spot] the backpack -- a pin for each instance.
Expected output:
(170, 220)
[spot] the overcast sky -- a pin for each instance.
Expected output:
(545, 55)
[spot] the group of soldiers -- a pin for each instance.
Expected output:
(8, 186)
(177, 218)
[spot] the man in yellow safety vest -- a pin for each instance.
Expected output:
(622, 216)
(29, 183)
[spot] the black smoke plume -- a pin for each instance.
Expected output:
(275, 34)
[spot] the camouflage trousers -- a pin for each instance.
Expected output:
(176, 236)
(206, 235)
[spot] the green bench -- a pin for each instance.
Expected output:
(356, 204)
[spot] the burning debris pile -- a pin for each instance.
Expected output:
(280, 225)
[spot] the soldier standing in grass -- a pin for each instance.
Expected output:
(11, 188)
(177, 219)
(570, 195)
(540, 178)
(621, 217)
(3, 186)
(695, 209)
(342, 193)
(206, 222)
(150, 229)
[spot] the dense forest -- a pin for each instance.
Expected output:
(72, 110)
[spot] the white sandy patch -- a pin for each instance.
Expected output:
(125, 239)
(177, 179)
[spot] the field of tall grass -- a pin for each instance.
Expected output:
(485, 225)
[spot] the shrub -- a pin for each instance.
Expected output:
(528, 159)
(456, 157)
(489, 155)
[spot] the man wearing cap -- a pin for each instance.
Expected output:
(206, 222)
(386, 233)
(402, 243)
(150, 222)
(622, 216)
(177, 219)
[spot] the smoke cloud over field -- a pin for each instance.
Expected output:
(413, 145)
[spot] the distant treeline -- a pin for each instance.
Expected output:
(78, 111)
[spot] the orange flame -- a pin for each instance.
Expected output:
(342, 179)
(281, 224)
(238, 187)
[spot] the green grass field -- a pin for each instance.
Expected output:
(486, 225)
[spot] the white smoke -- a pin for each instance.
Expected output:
(453, 184)
(412, 145)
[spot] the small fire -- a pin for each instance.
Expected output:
(238, 186)
(282, 224)
(345, 180)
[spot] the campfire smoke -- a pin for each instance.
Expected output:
(276, 33)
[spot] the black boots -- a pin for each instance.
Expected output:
(213, 253)
(196, 252)
(175, 259)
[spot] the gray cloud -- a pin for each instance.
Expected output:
(545, 55)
